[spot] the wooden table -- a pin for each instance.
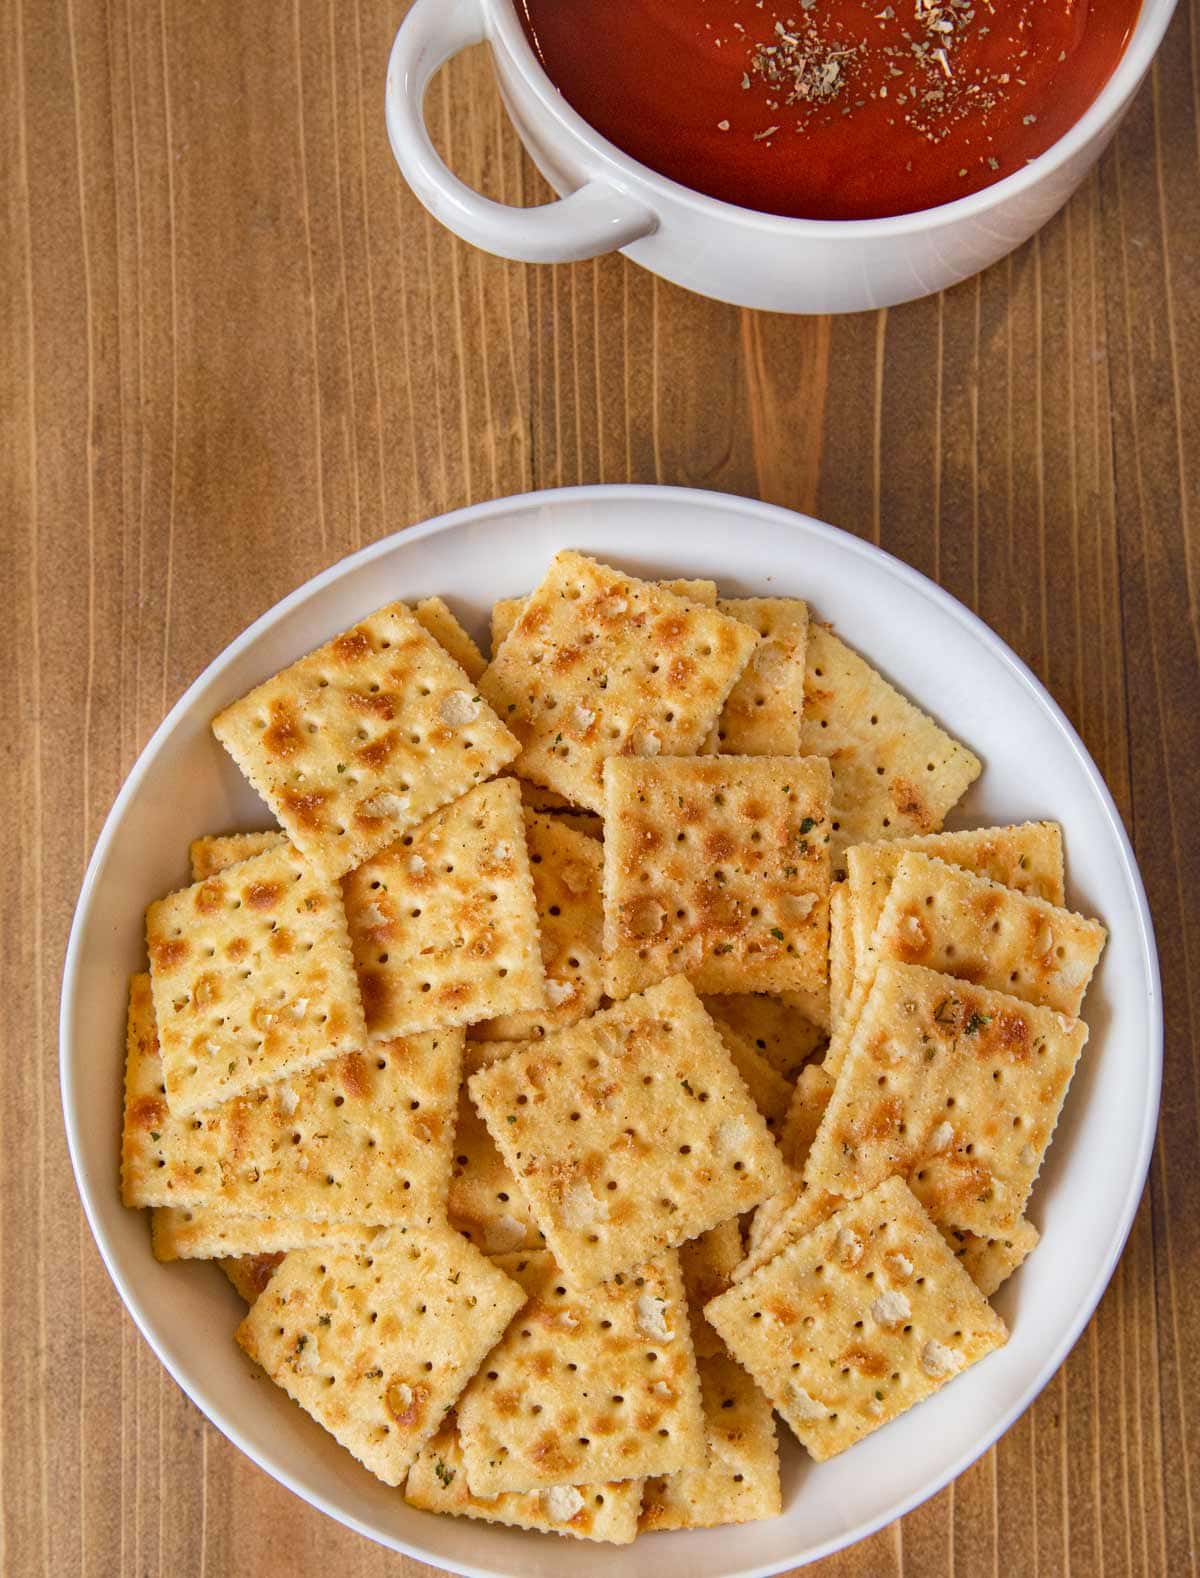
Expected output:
(235, 348)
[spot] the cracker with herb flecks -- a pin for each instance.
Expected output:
(739, 1482)
(781, 1032)
(770, 1092)
(955, 1087)
(567, 869)
(601, 664)
(364, 738)
(444, 923)
(588, 1384)
(762, 715)
(895, 771)
(218, 852)
(486, 1203)
(203, 1232)
(629, 1132)
(377, 1347)
(853, 1324)
(508, 610)
(437, 1482)
(435, 617)
(989, 1262)
(716, 868)
(841, 949)
(708, 1264)
(365, 1138)
(250, 1273)
(950, 919)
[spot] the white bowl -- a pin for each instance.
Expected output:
(609, 201)
(1035, 766)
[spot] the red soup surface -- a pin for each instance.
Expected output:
(831, 109)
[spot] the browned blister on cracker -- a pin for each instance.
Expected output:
(717, 867)
(364, 738)
(600, 664)
(895, 771)
(629, 1132)
(508, 610)
(377, 1347)
(437, 1482)
(854, 1323)
(587, 1385)
(444, 922)
(250, 1273)
(739, 1482)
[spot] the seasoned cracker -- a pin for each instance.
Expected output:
(378, 1347)
(366, 1139)
(508, 610)
(716, 868)
(207, 1233)
(989, 1262)
(436, 618)
(956, 1087)
(252, 979)
(444, 923)
(853, 1324)
(437, 1482)
(895, 772)
(841, 949)
(762, 714)
(807, 1107)
(364, 738)
(739, 1482)
(796, 1217)
(600, 664)
(947, 918)
(587, 1385)
(785, 1036)
(770, 1092)
(486, 1203)
(708, 1264)
(219, 852)
(630, 1132)
(250, 1273)
(567, 870)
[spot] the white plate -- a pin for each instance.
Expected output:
(1035, 766)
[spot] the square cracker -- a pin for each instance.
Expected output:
(437, 1482)
(567, 869)
(894, 770)
(949, 919)
(601, 664)
(795, 1219)
(777, 1029)
(956, 1087)
(444, 923)
(853, 1324)
(435, 617)
(508, 610)
(716, 868)
(366, 1138)
(202, 1233)
(739, 1482)
(1027, 857)
(150, 1173)
(218, 852)
(587, 1384)
(364, 738)
(708, 1264)
(252, 979)
(989, 1262)
(770, 1092)
(630, 1132)
(761, 716)
(378, 1346)
(486, 1204)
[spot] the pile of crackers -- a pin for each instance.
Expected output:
(605, 1051)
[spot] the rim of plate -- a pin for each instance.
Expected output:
(645, 494)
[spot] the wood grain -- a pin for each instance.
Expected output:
(235, 348)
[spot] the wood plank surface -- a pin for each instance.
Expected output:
(234, 348)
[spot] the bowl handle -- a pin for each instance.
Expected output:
(596, 218)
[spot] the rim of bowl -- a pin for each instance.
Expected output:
(1153, 19)
(695, 498)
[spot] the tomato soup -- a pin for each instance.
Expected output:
(831, 109)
